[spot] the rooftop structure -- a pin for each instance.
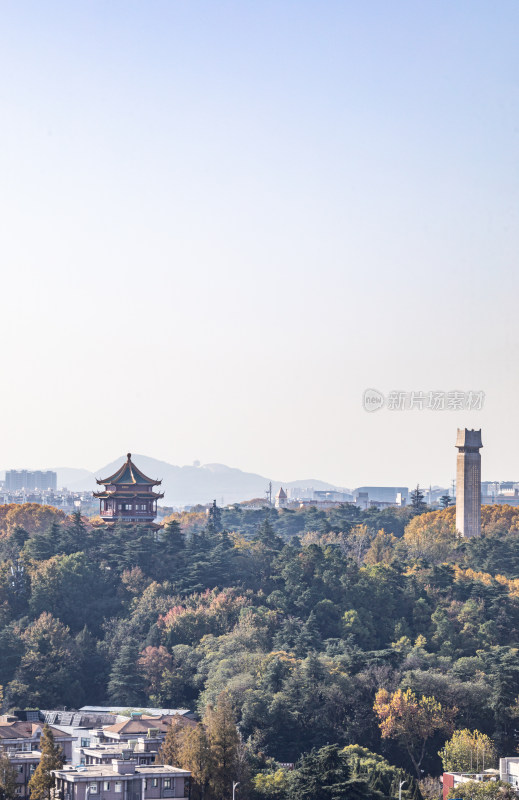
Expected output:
(128, 495)
(144, 725)
(122, 779)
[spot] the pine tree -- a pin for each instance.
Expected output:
(220, 724)
(7, 778)
(73, 536)
(42, 780)
(418, 504)
(214, 519)
(267, 536)
(445, 500)
(125, 684)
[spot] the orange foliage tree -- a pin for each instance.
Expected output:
(412, 721)
(32, 517)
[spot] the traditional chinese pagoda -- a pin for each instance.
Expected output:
(128, 495)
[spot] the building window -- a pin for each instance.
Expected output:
(106, 786)
(20, 768)
(155, 782)
(118, 786)
(85, 742)
(92, 788)
(167, 783)
(145, 783)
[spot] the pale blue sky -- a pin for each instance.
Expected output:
(221, 222)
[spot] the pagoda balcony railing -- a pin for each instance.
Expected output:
(126, 513)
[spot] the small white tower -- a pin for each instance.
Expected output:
(281, 499)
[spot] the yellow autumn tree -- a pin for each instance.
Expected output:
(468, 751)
(433, 535)
(381, 548)
(412, 721)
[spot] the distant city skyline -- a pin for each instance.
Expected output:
(222, 223)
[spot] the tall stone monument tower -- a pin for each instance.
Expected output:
(468, 482)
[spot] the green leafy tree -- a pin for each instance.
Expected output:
(272, 785)
(7, 778)
(445, 500)
(42, 780)
(468, 751)
(48, 666)
(483, 790)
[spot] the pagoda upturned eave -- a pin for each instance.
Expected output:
(129, 474)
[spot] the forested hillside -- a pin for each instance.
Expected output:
(312, 622)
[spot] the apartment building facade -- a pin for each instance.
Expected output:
(122, 780)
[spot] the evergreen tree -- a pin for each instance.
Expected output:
(445, 500)
(42, 780)
(73, 536)
(42, 546)
(92, 666)
(125, 684)
(418, 504)
(214, 519)
(171, 542)
(7, 778)
(320, 774)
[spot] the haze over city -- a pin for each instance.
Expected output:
(223, 222)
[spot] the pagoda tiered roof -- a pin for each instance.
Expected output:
(128, 483)
(128, 474)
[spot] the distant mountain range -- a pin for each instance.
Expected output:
(189, 485)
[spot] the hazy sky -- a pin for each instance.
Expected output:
(222, 221)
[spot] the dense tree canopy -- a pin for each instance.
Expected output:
(307, 622)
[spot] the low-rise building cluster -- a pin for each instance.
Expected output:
(107, 755)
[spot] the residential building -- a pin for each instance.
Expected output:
(509, 770)
(122, 780)
(153, 728)
(21, 742)
(144, 732)
(30, 480)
